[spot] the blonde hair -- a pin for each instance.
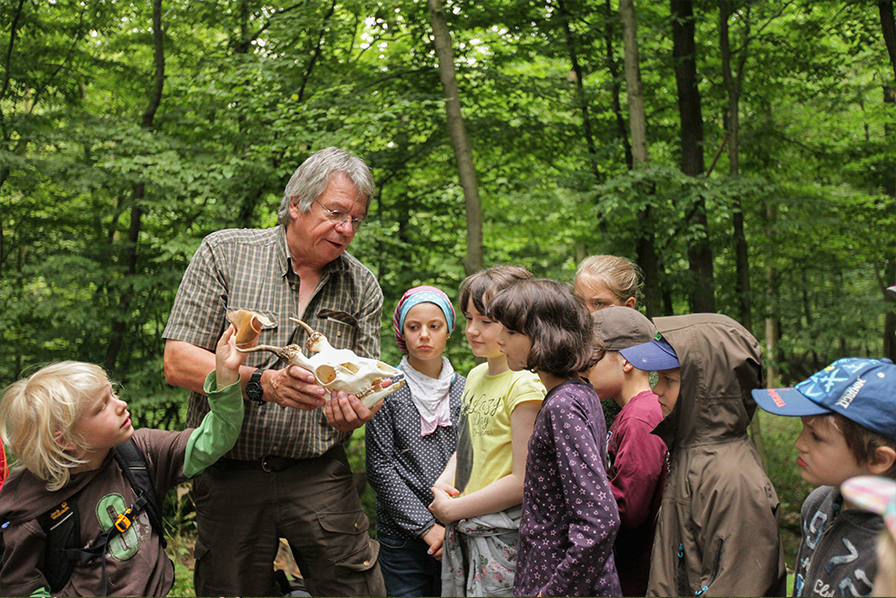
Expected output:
(619, 274)
(38, 415)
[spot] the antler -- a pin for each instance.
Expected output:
(315, 338)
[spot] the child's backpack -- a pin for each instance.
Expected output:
(62, 524)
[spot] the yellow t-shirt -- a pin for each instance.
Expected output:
(484, 442)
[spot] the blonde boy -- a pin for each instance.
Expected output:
(636, 457)
(63, 424)
(848, 411)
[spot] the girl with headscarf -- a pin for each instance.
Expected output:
(409, 442)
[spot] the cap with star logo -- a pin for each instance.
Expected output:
(862, 390)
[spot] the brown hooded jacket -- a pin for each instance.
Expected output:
(717, 532)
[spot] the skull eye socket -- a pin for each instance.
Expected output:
(326, 374)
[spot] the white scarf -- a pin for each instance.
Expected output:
(430, 395)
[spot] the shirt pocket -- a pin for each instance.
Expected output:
(340, 327)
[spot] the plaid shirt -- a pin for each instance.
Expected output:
(252, 269)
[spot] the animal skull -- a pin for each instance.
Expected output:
(337, 369)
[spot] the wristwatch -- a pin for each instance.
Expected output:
(253, 389)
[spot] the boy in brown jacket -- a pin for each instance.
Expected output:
(65, 424)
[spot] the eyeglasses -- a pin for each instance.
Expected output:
(341, 217)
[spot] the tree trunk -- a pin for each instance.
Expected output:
(646, 248)
(733, 85)
(580, 88)
(684, 52)
(463, 152)
(120, 323)
(771, 321)
(888, 27)
(616, 87)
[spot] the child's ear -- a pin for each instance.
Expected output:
(626, 366)
(882, 460)
(62, 441)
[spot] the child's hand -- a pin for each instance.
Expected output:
(448, 488)
(441, 505)
(435, 538)
(228, 359)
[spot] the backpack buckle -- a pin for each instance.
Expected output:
(122, 522)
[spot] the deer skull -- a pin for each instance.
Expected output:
(337, 369)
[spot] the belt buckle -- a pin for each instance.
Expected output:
(264, 464)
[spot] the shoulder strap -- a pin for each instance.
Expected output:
(62, 525)
(133, 462)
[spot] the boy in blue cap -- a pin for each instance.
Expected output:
(848, 411)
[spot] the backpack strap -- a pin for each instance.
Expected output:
(62, 526)
(133, 463)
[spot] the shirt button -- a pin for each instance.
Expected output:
(366, 563)
(357, 526)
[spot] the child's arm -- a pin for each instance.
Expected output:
(24, 545)
(638, 466)
(221, 426)
(446, 480)
(500, 494)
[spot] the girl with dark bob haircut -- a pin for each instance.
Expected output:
(570, 519)
(554, 319)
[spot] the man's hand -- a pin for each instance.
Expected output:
(346, 413)
(293, 387)
(435, 537)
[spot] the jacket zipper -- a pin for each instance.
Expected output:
(715, 570)
(682, 589)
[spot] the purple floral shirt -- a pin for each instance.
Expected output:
(569, 520)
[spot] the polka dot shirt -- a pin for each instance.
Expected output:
(402, 465)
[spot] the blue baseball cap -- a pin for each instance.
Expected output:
(861, 390)
(654, 356)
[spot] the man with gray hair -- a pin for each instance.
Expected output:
(288, 475)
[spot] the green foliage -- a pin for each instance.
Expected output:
(779, 434)
(251, 89)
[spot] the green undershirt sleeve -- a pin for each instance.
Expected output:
(219, 429)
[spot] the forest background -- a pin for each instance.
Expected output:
(743, 153)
